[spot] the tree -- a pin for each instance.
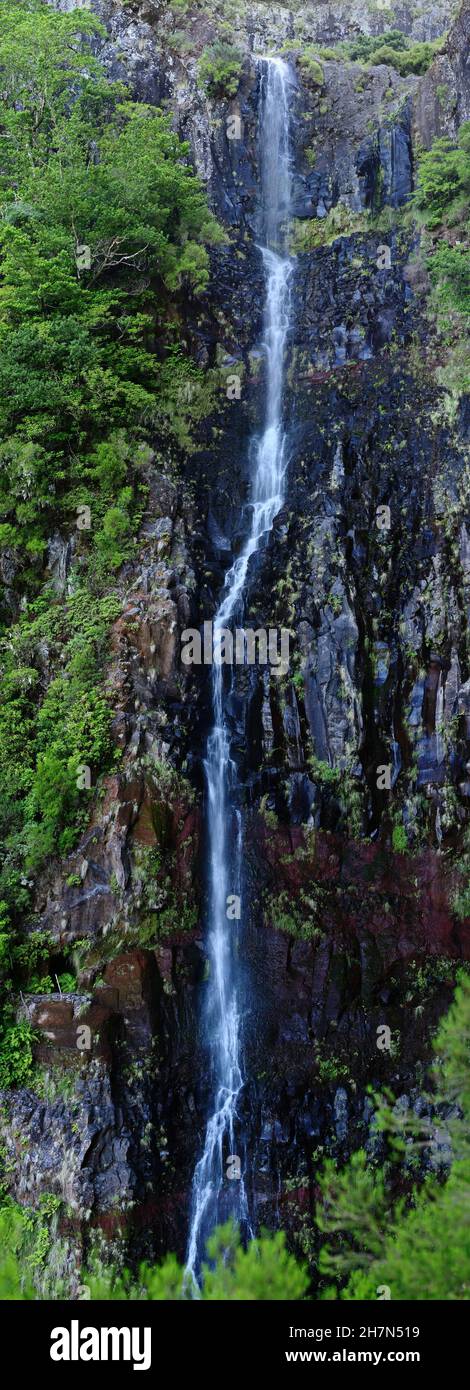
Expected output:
(102, 220)
(444, 179)
(102, 224)
(420, 1248)
(265, 1271)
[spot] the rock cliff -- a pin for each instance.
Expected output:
(353, 768)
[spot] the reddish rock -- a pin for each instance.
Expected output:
(133, 976)
(67, 1031)
(403, 901)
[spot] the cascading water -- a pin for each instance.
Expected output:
(213, 1196)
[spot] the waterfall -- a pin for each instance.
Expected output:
(214, 1195)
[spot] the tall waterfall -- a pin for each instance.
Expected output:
(214, 1195)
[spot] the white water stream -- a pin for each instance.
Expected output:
(224, 823)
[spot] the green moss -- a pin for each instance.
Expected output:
(269, 817)
(332, 1069)
(297, 916)
(399, 839)
(442, 93)
(335, 603)
(340, 221)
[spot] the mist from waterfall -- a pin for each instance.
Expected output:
(215, 1195)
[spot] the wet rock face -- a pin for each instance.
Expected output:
(73, 1151)
(443, 97)
(111, 1129)
(364, 738)
(366, 575)
(331, 1019)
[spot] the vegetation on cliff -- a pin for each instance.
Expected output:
(442, 206)
(102, 224)
(104, 230)
(417, 1246)
(374, 1239)
(443, 201)
(392, 48)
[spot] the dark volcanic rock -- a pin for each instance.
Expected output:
(353, 769)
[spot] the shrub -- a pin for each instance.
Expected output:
(450, 272)
(444, 179)
(220, 69)
(312, 68)
(415, 59)
(442, 199)
(297, 917)
(16, 1054)
(420, 1247)
(77, 364)
(393, 48)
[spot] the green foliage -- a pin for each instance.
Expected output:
(364, 46)
(188, 395)
(392, 48)
(420, 1251)
(164, 911)
(297, 915)
(180, 6)
(101, 218)
(399, 840)
(450, 273)
(312, 67)
(220, 69)
(428, 1256)
(16, 1053)
(25, 1236)
(356, 1206)
(425, 976)
(323, 773)
(102, 224)
(164, 1282)
(332, 1069)
(44, 984)
(323, 231)
(442, 203)
(417, 58)
(13, 1284)
(265, 1271)
(452, 1048)
(443, 188)
(43, 746)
